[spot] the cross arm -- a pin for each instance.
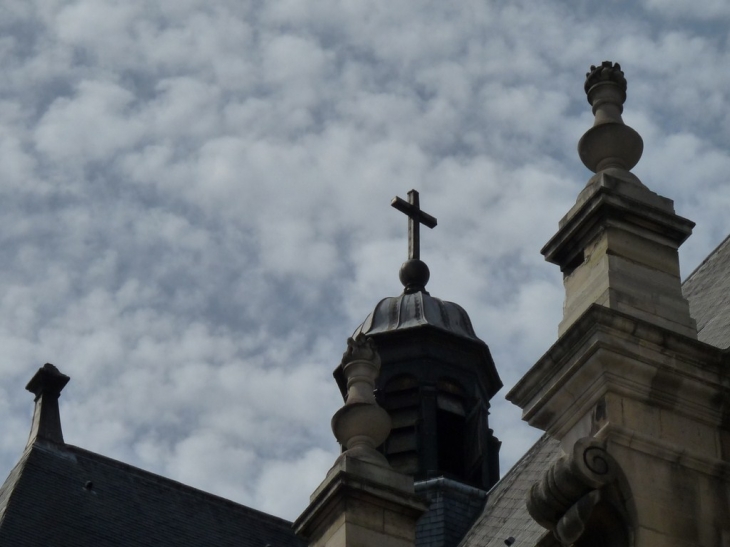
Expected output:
(412, 212)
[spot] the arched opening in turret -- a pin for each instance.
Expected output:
(401, 399)
(451, 414)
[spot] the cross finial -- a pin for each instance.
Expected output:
(414, 273)
(416, 217)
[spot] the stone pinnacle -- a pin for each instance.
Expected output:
(609, 143)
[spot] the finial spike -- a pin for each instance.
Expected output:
(414, 273)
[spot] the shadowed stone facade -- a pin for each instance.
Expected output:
(637, 403)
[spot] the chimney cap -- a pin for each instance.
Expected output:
(48, 380)
(46, 385)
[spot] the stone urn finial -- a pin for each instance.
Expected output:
(609, 143)
(361, 425)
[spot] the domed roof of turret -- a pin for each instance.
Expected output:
(417, 309)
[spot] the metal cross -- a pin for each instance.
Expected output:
(416, 217)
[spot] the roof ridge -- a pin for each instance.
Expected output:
(171, 483)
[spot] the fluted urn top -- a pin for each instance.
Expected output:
(606, 72)
(360, 348)
(417, 310)
(609, 144)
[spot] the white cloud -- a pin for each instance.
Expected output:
(95, 123)
(704, 10)
(295, 479)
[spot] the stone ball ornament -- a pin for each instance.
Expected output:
(414, 275)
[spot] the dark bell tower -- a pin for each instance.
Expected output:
(436, 384)
(436, 380)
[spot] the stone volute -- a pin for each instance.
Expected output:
(579, 489)
(361, 425)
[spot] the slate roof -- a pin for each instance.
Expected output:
(708, 292)
(452, 508)
(63, 496)
(505, 514)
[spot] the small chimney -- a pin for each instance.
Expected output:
(46, 385)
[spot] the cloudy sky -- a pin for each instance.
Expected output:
(195, 201)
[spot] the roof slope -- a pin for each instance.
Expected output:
(505, 514)
(65, 496)
(708, 291)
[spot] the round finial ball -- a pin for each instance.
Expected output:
(414, 273)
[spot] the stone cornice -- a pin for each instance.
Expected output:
(670, 452)
(352, 479)
(611, 351)
(609, 200)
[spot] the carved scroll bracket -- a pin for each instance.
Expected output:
(569, 492)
